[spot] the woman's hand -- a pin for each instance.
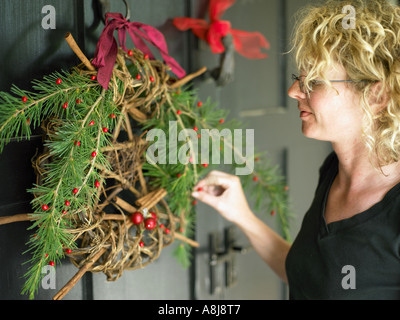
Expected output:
(224, 193)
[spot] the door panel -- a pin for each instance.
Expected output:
(258, 97)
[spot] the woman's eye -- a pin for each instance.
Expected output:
(315, 84)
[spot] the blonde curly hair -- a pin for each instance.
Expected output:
(369, 52)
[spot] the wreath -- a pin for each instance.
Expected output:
(98, 198)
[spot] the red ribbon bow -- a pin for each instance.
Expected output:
(247, 44)
(107, 49)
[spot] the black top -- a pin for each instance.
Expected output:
(354, 258)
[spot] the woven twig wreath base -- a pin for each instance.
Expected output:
(108, 241)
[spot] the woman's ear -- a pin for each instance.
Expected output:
(378, 97)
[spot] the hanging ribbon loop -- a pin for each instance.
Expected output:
(107, 48)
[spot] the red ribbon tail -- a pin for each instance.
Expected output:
(198, 26)
(249, 44)
(105, 55)
(104, 73)
(156, 38)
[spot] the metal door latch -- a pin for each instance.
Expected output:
(226, 255)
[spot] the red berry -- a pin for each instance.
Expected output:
(286, 188)
(200, 189)
(205, 165)
(179, 175)
(138, 76)
(58, 81)
(45, 207)
(105, 130)
(93, 77)
(146, 56)
(151, 79)
(199, 104)
(46, 255)
(141, 244)
(75, 190)
(91, 123)
(97, 184)
(221, 121)
(153, 214)
(255, 178)
(273, 212)
(179, 112)
(78, 101)
(137, 218)
(167, 230)
(77, 143)
(195, 129)
(24, 99)
(198, 135)
(67, 203)
(64, 212)
(130, 53)
(68, 251)
(51, 263)
(150, 223)
(65, 105)
(94, 153)
(194, 202)
(161, 226)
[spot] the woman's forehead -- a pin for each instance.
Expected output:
(331, 71)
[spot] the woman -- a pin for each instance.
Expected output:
(348, 93)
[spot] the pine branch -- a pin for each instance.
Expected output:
(67, 177)
(264, 184)
(20, 109)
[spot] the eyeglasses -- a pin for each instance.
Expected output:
(303, 89)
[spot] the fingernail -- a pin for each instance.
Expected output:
(195, 194)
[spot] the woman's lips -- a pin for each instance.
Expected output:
(304, 114)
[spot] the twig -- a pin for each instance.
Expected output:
(71, 283)
(16, 218)
(191, 242)
(188, 78)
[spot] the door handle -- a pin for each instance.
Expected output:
(227, 255)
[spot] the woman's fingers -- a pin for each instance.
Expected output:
(215, 178)
(223, 192)
(207, 198)
(214, 190)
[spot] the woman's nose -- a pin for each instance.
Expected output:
(295, 92)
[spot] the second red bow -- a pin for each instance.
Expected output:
(248, 44)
